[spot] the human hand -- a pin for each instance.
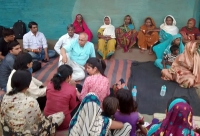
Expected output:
(64, 59)
(46, 57)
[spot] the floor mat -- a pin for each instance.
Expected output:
(115, 70)
(147, 79)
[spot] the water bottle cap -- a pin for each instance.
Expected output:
(134, 86)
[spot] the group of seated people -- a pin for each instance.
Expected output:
(94, 108)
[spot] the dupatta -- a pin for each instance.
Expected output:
(108, 29)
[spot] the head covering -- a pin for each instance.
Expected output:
(171, 29)
(108, 29)
(178, 121)
(152, 21)
(131, 25)
(193, 20)
(88, 120)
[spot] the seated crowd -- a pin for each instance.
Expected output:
(94, 108)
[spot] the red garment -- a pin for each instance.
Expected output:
(190, 34)
(63, 100)
(97, 84)
(83, 28)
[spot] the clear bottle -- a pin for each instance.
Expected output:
(163, 90)
(134, 92)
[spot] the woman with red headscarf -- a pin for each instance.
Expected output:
(190, 32)
(81, 26)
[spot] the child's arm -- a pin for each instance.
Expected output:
(116, 125)
(168, 63)
(142, 129)
(164, 62)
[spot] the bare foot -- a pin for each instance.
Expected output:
(150, 52)
(142, 51)
(130, 50)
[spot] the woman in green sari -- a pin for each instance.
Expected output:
(126, 34)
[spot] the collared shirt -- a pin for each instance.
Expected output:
(6, 68)
(80, 54)
(34, 41)
(64, 41)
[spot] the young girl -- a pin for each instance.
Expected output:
(127, 111)
(97, 82)
(61, 95)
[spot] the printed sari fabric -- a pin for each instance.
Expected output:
(147, 39)
(190, 34)
(178, 121)
(164, 48)
(185, 70)
(106, 48)
(88, 120)
(21, 115)
(79, 28)
(126, 36)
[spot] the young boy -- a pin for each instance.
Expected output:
(169, 58)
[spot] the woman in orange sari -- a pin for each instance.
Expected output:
(147, 38)
(126, 34)
(185, 70)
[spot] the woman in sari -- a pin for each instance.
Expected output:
(190, 32)
(126, 34)
(178, 121)
(185, 70)
(88, 120)
(145, 37)
(165, 49)
(106, 35)
(81, 26)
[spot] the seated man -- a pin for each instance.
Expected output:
(7, 63)
(76, 54)
(8, 36)
(36, 44)
(66, 39)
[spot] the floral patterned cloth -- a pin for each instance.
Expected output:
(21, 116)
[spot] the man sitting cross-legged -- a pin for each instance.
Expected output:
(76, 54)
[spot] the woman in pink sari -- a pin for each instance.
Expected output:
(81, 26)
(185, 70)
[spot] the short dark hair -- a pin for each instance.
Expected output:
(7, 32)
(110, 105)
(62, 74)
(174, 48)
(12, 44)
(22, 60)
(17, 83)
(126, 102)
(70, 26)
(173, 98)
(98, 63)
(30, 24)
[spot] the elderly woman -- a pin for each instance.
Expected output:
(126, 34)
(190, 32)
(106, 35)
(178, 121)
(21, 115)
(81, 26)
(185, 70)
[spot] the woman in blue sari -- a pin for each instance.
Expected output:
(164, 48)
(178, 120)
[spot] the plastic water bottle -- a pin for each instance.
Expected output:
(134, 92)
(163, 90)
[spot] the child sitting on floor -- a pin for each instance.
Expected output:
(110, 106)
(169, 58)
(127, 111)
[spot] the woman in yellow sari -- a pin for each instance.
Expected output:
(185, 70)
(106, 35)
(147, 38)
(126, 34)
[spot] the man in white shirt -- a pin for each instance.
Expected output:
(66, 39)
(36, 44)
